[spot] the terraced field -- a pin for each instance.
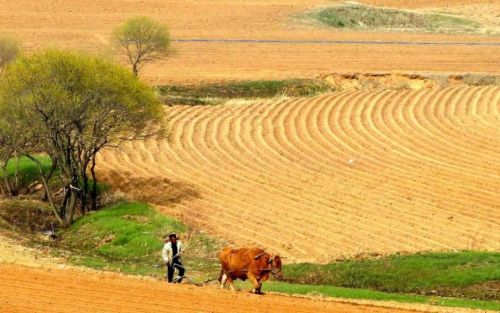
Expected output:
(334, 175)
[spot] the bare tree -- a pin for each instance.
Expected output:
(142, 40)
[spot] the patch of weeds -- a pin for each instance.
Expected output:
(216, 93)
(370, 18)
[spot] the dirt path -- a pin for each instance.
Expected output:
(12, 252)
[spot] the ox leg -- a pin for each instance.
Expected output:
(231, 283)
(256, 285)
(223, 281)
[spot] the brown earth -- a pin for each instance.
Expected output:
(351, 172)
(26, 289)
(87, 24)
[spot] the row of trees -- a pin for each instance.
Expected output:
(69, 106)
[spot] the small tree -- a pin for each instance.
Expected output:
(9, 49)
(71, 106)
(142, 40)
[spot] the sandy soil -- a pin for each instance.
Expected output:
(26, 289)
(86, 25)
(13, 252)
(352, 172)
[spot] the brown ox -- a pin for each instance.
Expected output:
(253, 264)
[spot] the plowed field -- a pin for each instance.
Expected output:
(87, 25)
(25, 289)
(334, 175)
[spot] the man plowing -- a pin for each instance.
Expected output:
(172, 251)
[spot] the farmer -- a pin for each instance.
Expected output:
(172, 251)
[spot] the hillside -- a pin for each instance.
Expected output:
(330, 176)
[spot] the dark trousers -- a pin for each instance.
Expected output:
(176, 264)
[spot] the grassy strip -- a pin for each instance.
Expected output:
(365, 17)
(465, 274)
(216, 93)
(351, 293)
(128, 238)
(28, 171)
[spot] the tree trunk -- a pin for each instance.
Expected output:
(46, 187)
(70, 212)
(93, 192)
(45, 195)
(10, 192)
(51, 201)
(135, 69)
(84, 192)
(16, 174)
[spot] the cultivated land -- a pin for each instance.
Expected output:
(314, 179)
(56, 291)
(353, 172)
(87, 25)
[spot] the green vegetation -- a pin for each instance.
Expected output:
(216, 93)
(464, 274)
(365, 17)
(27, 169)
(128, 237)
(93, 102)
(142, 40)
(351, 293)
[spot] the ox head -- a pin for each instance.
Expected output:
(275, 263)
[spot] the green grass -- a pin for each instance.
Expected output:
(216, 93)
(365, 17)
(351, 293)
(446, 274)
(128, 237)
(28, 171)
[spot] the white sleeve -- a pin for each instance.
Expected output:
(165, 253)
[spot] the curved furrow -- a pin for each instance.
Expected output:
(256, 215)
(259, 193)
(456, 138)
(347, 137)
(440, 216)
(428, 129)
(355, 151)
(398, 165)
(372, 215)
(449, 182)
(199, 178)
(382, 148)
(322, 162)
(456, 122)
